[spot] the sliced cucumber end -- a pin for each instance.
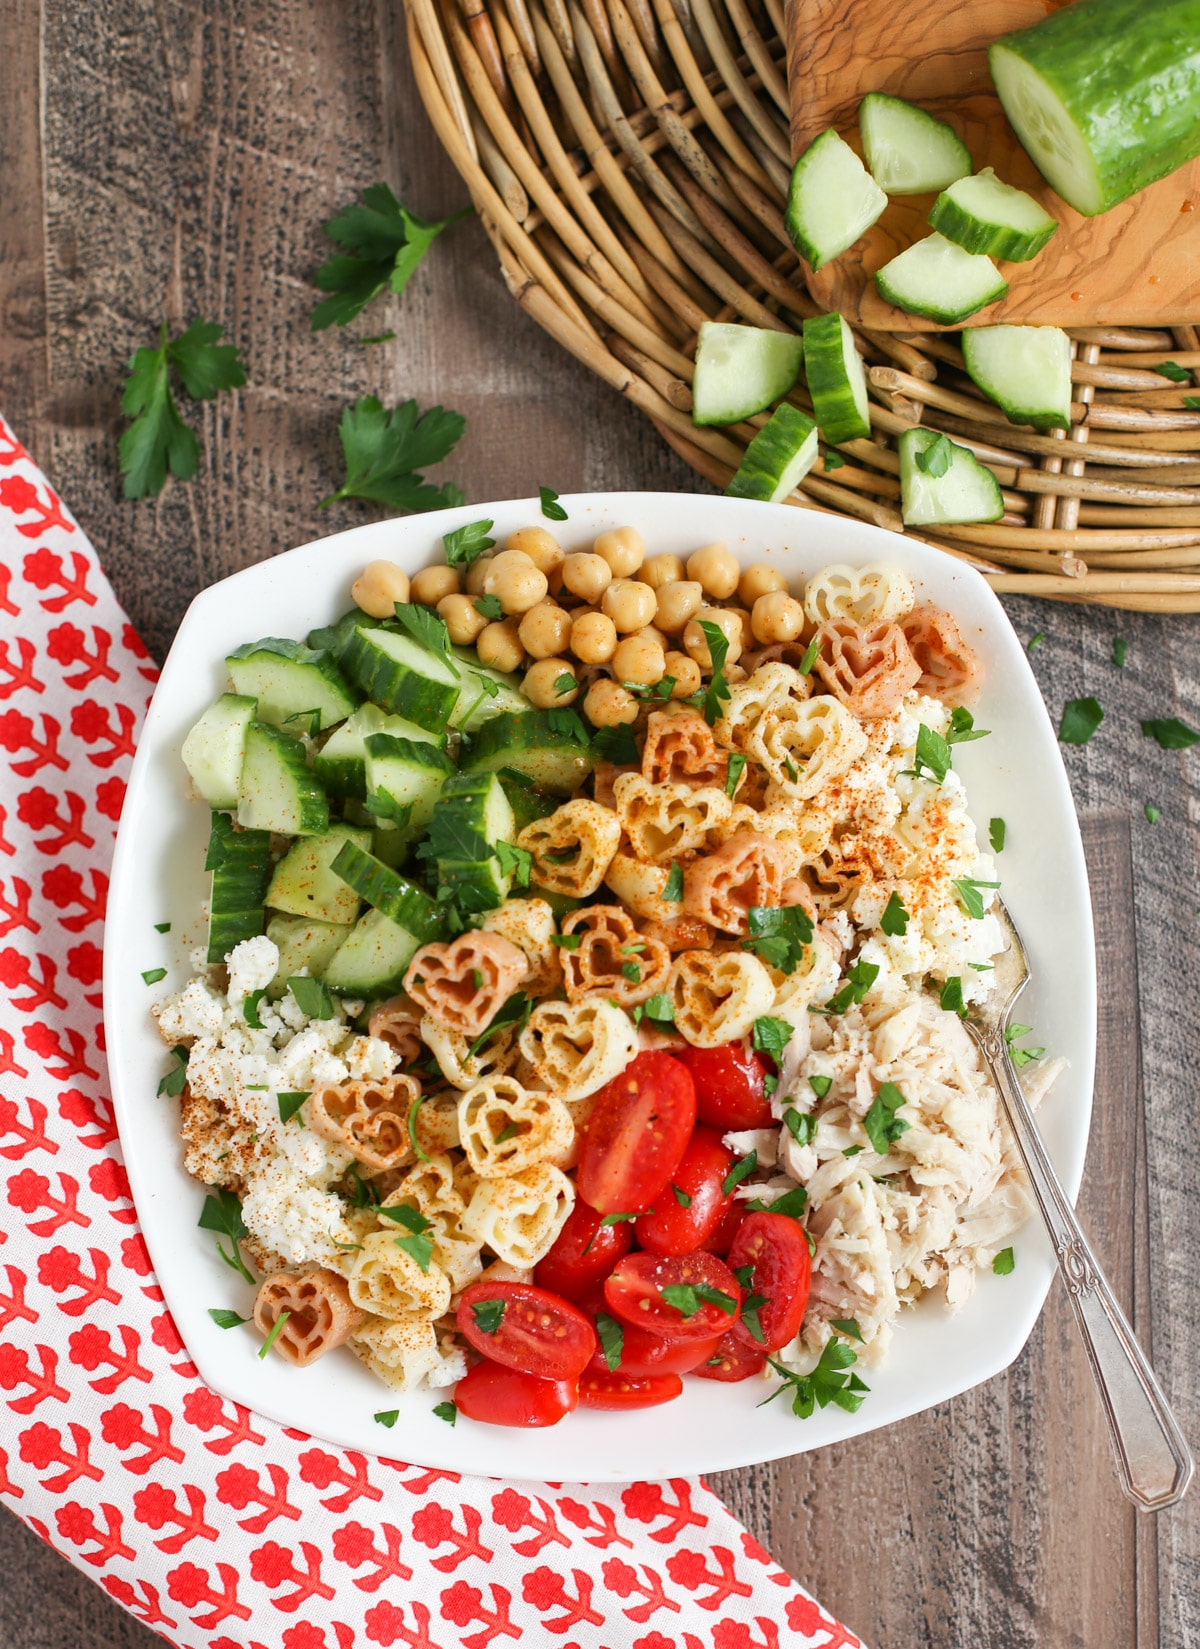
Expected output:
(836, 379)
(984, 215)
(741, 370)
(1048, 134)
(940, 281)
(1026, 370)
(908, 150)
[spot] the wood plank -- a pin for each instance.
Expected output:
(22, 243)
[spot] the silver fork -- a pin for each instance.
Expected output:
(1153, 1458)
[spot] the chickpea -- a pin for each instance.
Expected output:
(593, 638)
(477, 573)
(432, 583)
(650, 632)
(623, 549)
(540, 684)
(545, 630)
(759, 578)
(629, 604)
(677, 603)
(776, 617)
(696, 642)
(499, 645)
(608, 704)
(463, 620)
(686, 672)
(586, 576)
(378, 588)
(662, 569)
(515, 582)
(716, 570)
(639, 661)
(746, 634)
(542, 548)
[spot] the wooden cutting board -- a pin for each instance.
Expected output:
(1138, 264)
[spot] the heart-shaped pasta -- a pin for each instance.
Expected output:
(576, 1047)
(320, 1315)
(665, 822)
(801, 831)
(529, 925)
(854, 859)
(464, 982)
(458, 1064)
(680, 749)
(397, 1023)
(435, 1122)
(876, 593)
(640, 886)
(572, 848)
(612, 957)
(747, 870)
(518, 1218)
(770, 685)
(717, 995)
(604, 776)
(814, 978)
(868, 668)
(400, 1353)
(681, 933)
(950, 670)
(806, 746)
(505, 1129)
(429, 1188)
(368, 1118)
(388, 1282)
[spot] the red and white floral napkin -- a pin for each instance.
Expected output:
(219, 1529)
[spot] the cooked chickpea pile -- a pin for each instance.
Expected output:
(608, 618)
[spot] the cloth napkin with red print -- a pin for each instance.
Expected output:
(217, 1528)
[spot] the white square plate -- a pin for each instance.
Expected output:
(1016, 774)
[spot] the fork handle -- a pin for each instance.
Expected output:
(1153, 1458)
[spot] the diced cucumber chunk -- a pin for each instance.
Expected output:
(297, 688)
(1026, 370)
(908, 150)
(333, 637)
(778, 458)
(832, 200)
(391, 845)
(373, 960)
(833, 370)
(526, 802)
(550, 747)
(485, 693)
(397, 673)
(962, 492)
(341, 762)
(406, 773)
(212, 751)
(390, 893)
(941, 281)
(304, 883)
(984, 215)
(472, 815)
(740, 370)
(240, 862)
(303, 943)
(277, 791)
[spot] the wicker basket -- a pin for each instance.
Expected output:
(629, 160)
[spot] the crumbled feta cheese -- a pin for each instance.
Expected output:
(252, 966)
(297, 1222)
(197, 1010)
(369, 1058)
(306, 1061)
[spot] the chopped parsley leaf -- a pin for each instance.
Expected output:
(488, 1314)
(997, 833)
(551, 508)
(811, 654)
(289, 1106)
(661, 1008)
(411, 1124)
(718, 688)
(687, 1298)
(952, 996)
(792, 1203)
(771, 1036)
(566, 683)
(514, 860)
(1172, 370)
(1171, 733)
(1004, 1262)
(934, 459)
(567, 941)
(227, 1319)
(829, 1382)
(734, 771)
(387, 1417)
(673, 891)
(312, 997)
(612, 1339)
(895, 918)
(820, 1085)
(802, 1125)
(444, 1411)
(464, 545)
(489, 607)
(509, 1131)
(932, 753)
(250, 1009)
(743, 1166)
(173, 1084)
(276, 1331)
(1154, 814)
(162, 927)
(1120, 649)
(681, 1196)
(631, 971)
(881, 1122)
(859, 980)
(1080, 719)
(1035, 641)
(153, 975)
(969, 896)
(778, 934)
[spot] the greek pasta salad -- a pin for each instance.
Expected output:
(589, 944)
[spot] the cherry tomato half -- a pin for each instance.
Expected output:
(603, 1390)
(777, 1249)
(636, 1134)
(729, 1086)
(721, 1239)
(583, 1253)
(732, 1360)
(505, 1397)
(526, 1328)
(635, 1292)
(644, 1354)
(672, 1227)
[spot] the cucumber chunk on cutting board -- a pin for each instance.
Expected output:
(832, 200)
(908, 150)
(981, 214)
(941, 281)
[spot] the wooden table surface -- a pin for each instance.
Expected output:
(166, 160)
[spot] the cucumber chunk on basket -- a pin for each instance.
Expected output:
(832, 200)
(297, 688)
(942, 483)
(939, 280)
(836, 381)
(1103, 95)
(982, 214)
(472, 816)
(304, 883)
(908, 150)
(277, 790)
(1026, 370)
(778, 458)
(550, 747)
(740, 370)
(303, 943)
(341, 762)
(401, 676)
(213, 750)
(240, 862)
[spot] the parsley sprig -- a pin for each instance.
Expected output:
(830, 1381)
(717, 692)
(382, 243)
(778, 935)
(222, 1214)
(158, 438)
(386, 452)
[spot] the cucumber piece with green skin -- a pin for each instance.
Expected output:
(373, 959)
(409, 773)
(740, 370)
(550, 747)
(486, 693)
(962, 493)
(393, 895)
(391, 845)
(1104, 95)
(297, 688)
(213, 750)
(341, 762)
(277, 791)
(303, 944)
(984, 215)
(836, 381)
(333, 637)
(939, 280)
(778, 458)
(472, 815)
(401, 676)
(526, 802)
(908, 150)
(304, 883)
(1026, 370)
(832, 200)
(240, 862)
